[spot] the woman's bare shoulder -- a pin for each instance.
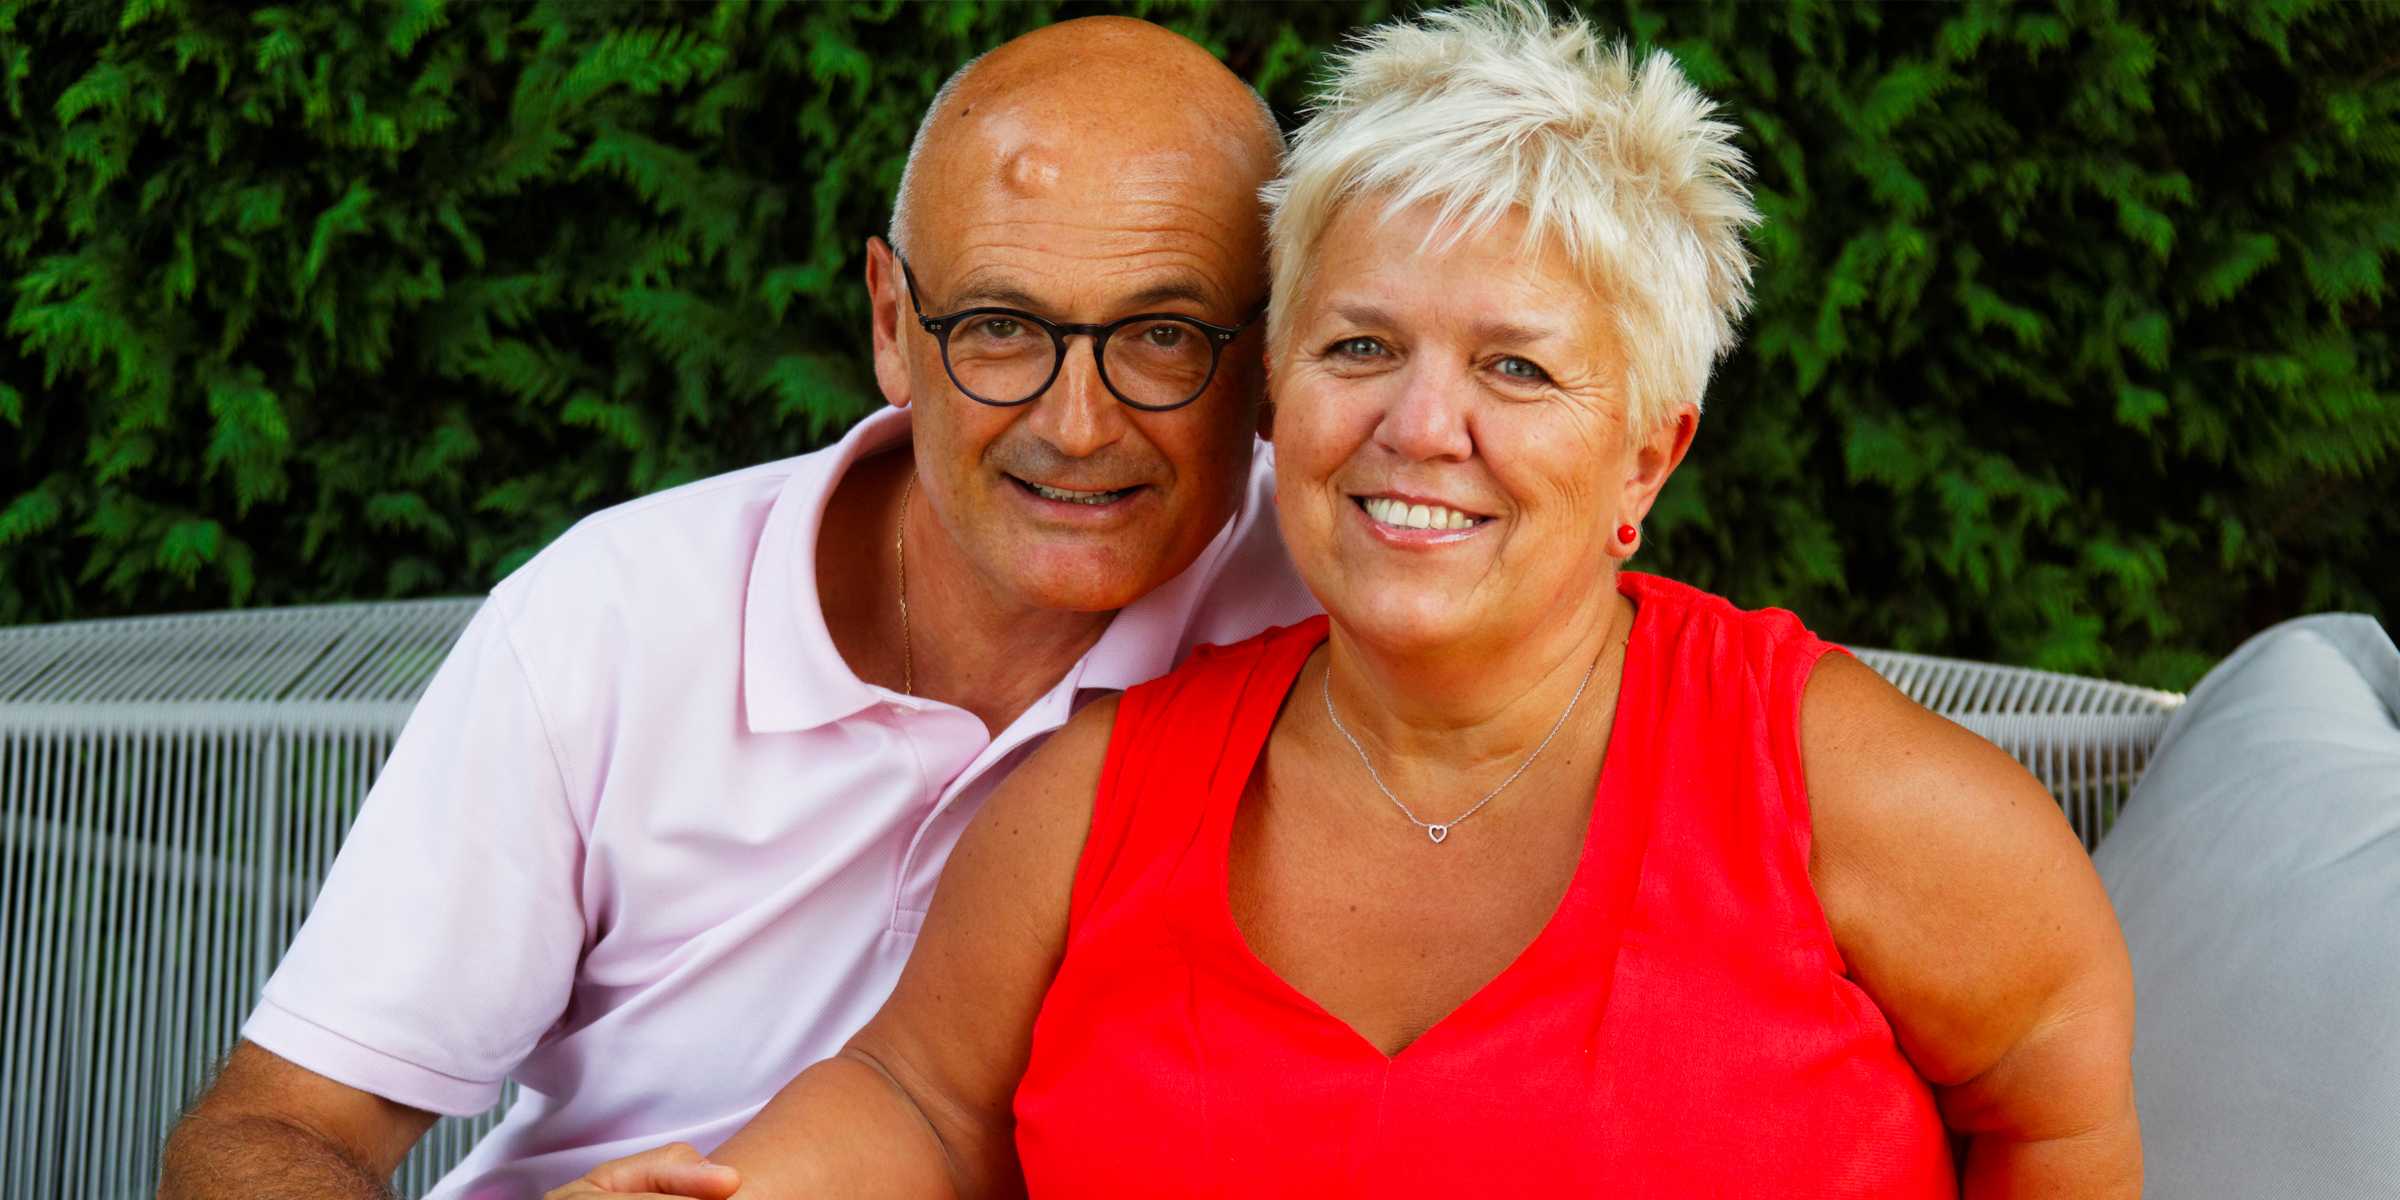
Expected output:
(1958, 895)
(1021, 849)
(958, 1026)
(1885, 774)
(1062, 778)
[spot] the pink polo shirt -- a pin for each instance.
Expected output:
(650, 848)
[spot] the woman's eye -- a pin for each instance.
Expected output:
(1518, 368)
(1358, 347)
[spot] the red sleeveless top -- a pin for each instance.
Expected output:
(1682, 1027)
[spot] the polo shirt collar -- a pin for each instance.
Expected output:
(793, 677)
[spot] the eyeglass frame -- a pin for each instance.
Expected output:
(1219, 337)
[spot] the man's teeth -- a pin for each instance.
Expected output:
(1399, 514)
(1071, 497)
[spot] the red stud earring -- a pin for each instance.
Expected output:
(1628, 534)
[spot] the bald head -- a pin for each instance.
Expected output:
(1091, 91)
(1094, 173)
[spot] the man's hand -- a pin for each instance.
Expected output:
(270, 1129)
(676, 1170)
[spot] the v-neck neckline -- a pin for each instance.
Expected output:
(1611, 818)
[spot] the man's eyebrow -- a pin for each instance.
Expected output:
(1000, 295)
(1188, 290)
(995, 293)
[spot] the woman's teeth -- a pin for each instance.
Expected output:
(1069, 497)
(1399, 514)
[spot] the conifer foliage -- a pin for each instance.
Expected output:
(2074, 340)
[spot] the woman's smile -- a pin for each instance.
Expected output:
(1417, 521)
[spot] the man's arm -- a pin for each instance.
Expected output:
(269, 1129)
(444, 942)
(1966, 907)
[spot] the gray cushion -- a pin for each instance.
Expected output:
(2257, 873)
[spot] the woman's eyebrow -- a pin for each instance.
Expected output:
(1512, 333)
(1364, 314)
(1507, 332)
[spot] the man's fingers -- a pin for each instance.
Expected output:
(583, 1190)
(666, 1172)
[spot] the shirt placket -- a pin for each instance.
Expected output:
(964, 794)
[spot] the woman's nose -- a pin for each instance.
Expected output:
(1427, 419)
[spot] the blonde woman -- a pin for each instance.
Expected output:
(1519, 873)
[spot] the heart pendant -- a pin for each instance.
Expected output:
(1437, 832)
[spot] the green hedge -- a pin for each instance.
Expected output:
(2073, 345)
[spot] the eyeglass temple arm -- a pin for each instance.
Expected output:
(908, 276)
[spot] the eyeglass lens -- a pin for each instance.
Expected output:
(1156, 362)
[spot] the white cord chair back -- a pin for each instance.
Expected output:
(173, 789)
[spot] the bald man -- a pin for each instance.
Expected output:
(661, 831)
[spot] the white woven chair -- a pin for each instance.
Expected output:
(172, 790)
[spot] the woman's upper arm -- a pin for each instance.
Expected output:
(1966, 907)
(958, 1028)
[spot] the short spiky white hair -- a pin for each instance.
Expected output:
(1486, 110)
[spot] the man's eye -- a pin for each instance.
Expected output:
(1359, 347)
(1001, 327)
(1166, 335)
(1518, 368)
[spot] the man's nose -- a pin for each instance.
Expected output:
(1427, 419)
(1078, 415)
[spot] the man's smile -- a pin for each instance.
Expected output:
(1072, 496)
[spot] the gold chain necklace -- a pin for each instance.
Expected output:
(908, 658)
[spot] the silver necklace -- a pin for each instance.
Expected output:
(1442, 831)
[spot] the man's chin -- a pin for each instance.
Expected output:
(1084, 594)
(1077, 576)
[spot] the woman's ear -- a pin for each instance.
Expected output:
(1656, 457)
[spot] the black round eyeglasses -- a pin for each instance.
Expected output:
(1005, 357)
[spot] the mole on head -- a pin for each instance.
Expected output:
(1032, 170)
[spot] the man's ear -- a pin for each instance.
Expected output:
(1266, 399)
(886, 297)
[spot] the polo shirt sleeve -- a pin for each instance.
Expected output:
(444, 944)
